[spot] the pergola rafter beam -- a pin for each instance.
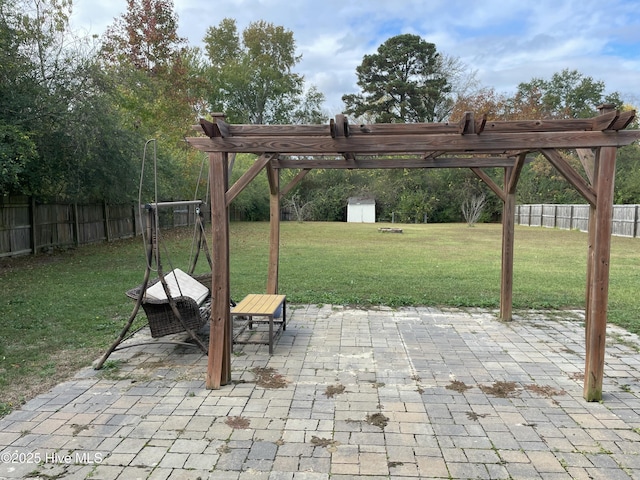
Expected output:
(624, 120)
(387, 163)
(611, 121)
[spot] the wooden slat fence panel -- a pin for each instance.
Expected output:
(549, 216)
(178, 216)
(53, 226)
(91, 225)
(182, 215)
(626, 218)
(122, 221)
(23, 222)
(564, 217)
(535, 216)
(581, 217)
(15, 226)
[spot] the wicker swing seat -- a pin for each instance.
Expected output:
(162, 319)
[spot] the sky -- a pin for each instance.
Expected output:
(505, 42)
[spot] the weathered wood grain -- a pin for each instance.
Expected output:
(399, 144)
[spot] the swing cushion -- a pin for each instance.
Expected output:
(180, 285)
(162, 320)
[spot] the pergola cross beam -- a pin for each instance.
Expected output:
(413, 144)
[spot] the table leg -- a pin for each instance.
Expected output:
(284, 314)
(270, 334)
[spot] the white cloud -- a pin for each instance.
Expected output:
(505, 41)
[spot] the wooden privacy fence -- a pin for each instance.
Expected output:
(626, 218)
(29, 227)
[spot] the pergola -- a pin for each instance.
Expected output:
(473, 142)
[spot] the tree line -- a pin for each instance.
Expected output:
(77, 112)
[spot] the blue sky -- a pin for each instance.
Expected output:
(505, 42)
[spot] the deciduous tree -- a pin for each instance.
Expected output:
(567, 94)
(253, 79)
(158, 87)
(60, 136)
(157, 74)
(146, 35)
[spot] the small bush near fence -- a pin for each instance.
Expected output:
(626, 218)
(28, 227)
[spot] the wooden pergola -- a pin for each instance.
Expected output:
(474, 142)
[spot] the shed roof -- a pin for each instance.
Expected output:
(361, 201)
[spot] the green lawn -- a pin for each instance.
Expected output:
(59, 312)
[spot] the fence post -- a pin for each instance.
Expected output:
(541, 215)
(635, 221)
(76, 225)
(571, 217)
(32, 221)
(133, 213)
(105, 214)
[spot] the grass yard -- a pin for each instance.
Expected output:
(60, 312)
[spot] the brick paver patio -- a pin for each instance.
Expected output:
(348, 393)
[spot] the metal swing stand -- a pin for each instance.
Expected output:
(175, 314)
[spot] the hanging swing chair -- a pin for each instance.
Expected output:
(176, 301)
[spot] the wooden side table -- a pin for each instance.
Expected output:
(260, 305)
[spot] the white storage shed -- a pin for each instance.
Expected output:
(361, 210)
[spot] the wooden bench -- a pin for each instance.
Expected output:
(260, 305)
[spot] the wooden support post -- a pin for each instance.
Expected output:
(600, 221)
(511, 177)
(274, 236)
(591, 232)
(508, 234)
(587, 310)
(219, 357)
